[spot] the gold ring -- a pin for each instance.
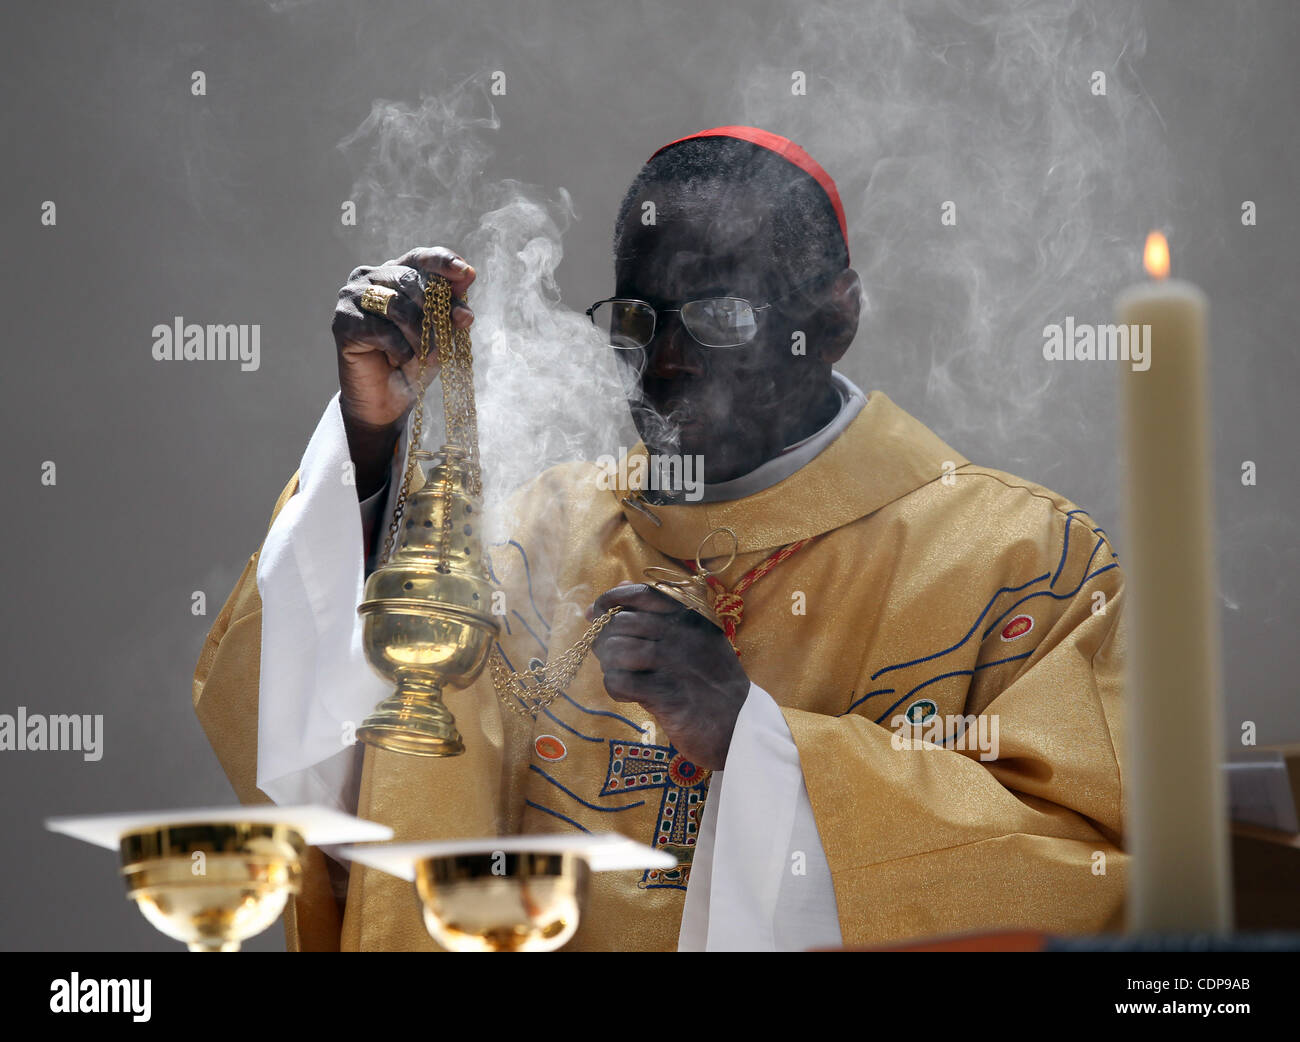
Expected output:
(375, 299)
(735, 549)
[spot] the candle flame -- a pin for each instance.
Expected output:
(1156, 256)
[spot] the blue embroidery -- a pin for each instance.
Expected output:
(974, 626)
(573, 795)
(600, 712)
(1065, 548)
(524, 622)
(528, 577)
(571, 730)
(869, 694)
(1049, 593)
(1103, 532)
(1005, 589)
(945, 676)
(555, 814)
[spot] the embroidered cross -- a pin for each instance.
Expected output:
(634, 766)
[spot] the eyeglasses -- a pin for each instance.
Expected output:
(712, 322)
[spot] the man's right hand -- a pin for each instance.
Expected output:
(378, 355)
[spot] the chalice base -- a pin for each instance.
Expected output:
(413, 720)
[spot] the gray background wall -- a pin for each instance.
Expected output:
(226, 208)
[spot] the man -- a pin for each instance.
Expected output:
(909, 723)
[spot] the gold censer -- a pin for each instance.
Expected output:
(428, 623)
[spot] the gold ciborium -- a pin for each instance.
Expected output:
(499, 902)
(509, 894)
(212, 886)
(213, 877)
(427, 619)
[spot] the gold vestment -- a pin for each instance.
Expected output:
(933, 588)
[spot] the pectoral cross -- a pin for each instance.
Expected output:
(634, 766)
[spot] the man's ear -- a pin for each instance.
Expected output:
(840, 316)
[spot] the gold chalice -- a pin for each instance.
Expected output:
(212, 878)
(509, 894)
(212, 886)
(498, 902)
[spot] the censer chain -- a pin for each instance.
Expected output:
(549, 679)
(455, 365)
(525, 693)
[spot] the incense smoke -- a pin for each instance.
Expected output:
(993, 108)
(547, 390)
(990, 106)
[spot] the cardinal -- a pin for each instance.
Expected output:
(901, 715)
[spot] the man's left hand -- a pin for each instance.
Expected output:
(674, 663)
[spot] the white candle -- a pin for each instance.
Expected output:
(1175, 801)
